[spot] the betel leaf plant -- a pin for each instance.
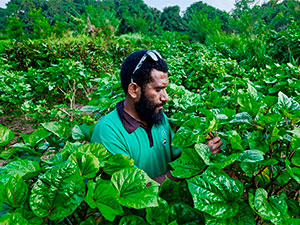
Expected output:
(54, 176)
(255, 177)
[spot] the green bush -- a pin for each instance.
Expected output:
(14, 28)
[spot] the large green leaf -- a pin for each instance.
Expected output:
(30, 216)
(6, 135)
(292, 222)
(105, 197)
(243, 117)
(287, 104)
(235, 140)
(117, 162)
(26, 168)
(273, 208)
(190, 162)
(97, 150)
(244, 216)
(184, 214)
(257, 141)
(82, 132)
(249, 168)
(159, 214)
(296, 159)
(295, 143)
(252, 156)
(215, 193)
(59, 129)
(189, 132)
(294, 172)
(58, 192)
(294, 207)
(87, 163)
(220, 161)
(136, 189)
(289, 107)
(15, 193)
(166, 194)
(36, 137)
(6, 154)
(132, 220)
(249, 104)
(70, 148)
(13, 218)
(25, 147)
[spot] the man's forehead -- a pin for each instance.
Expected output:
(159, 78)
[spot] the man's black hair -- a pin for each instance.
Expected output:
(142, 76)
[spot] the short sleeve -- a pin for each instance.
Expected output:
(111, 139)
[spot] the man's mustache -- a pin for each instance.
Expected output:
(159, 105)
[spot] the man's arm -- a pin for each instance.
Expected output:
(163, 177)
(214, 144)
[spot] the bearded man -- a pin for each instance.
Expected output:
(138, 128)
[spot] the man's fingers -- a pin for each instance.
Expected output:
(211, 134)
(215, 144)
(216, 150)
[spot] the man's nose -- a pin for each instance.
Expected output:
(165, 96)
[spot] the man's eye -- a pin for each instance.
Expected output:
(157, 90)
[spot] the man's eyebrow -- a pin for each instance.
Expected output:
(161, 86)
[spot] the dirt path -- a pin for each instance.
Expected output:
(18, 125)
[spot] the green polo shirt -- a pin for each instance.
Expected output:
(150, 148)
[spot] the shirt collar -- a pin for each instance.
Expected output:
(130, 124)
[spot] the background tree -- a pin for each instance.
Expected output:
(40, 25)
(14, 28)
(171, 20)
(212, 14)
(200, 26)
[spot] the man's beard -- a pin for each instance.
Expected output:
(147, 110)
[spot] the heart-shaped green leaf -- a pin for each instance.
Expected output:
(87, 163)
(97, 150)
(136, 189)
(15, 193)
(59, 129)
(189, 132)
(6, 135)
(58, 192)
(159, 214)
(273, 208)
(244, 216)
(190, 162)
(13, 218)
(185, 214)
(117, 162)
(215, 193)
(105, 197)
(26, 168)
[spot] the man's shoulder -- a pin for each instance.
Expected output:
(113, 116)
(105, 125)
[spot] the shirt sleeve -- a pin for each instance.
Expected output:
(110, 138)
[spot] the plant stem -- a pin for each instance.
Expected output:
(290, 181)
(273, 179)
(291, 155)
(286, 122)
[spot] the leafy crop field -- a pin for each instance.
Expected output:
(53, 92)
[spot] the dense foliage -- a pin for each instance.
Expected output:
(242, 85)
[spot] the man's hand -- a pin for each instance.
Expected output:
(214, 143)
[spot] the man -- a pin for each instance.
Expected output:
(138, 128)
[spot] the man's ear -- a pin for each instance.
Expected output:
(134, 90)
